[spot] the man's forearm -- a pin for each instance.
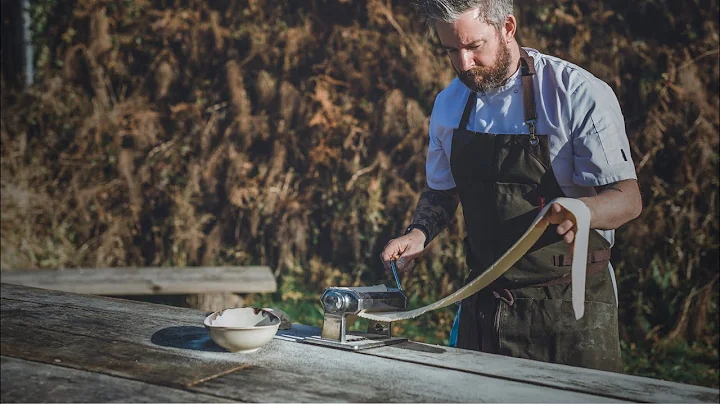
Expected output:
(614, 205)
(435, 209)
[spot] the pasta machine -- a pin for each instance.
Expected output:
(342, 305)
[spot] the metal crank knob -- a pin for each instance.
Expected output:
(334, 302)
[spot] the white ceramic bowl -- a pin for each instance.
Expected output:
(243, 329)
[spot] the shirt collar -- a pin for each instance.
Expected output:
(509, 83)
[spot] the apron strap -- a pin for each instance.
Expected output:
(527, 67)
(466, 112)
(593, 257)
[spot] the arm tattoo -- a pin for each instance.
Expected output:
(435, 209)
(611, 187)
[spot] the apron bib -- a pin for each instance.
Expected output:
(503, 180)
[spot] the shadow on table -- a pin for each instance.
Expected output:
(186, 337)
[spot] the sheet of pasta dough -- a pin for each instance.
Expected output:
(582, 217)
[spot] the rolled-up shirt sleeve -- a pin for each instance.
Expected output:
(601, 151)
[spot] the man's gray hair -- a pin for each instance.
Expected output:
(492, 12)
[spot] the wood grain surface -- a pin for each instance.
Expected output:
(148, 281)
(86, 338)
(25, 381)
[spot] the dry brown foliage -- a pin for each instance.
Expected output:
(180, 133)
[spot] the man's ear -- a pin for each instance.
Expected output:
(510, 28)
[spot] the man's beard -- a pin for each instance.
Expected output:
(481, 79)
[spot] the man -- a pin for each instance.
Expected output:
(515, 130)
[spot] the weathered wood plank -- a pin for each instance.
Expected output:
(137, 328)
(147, 281)
(605, 384)
(290, 372)
(124, 344)
(261, 385)
(103, 303)
(25, 381)
(599, 383)
(138, 346)
(111, 357)
(116, 333)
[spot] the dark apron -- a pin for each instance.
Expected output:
(503, 181)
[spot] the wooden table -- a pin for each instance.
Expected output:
(59, 346)
(147, 280)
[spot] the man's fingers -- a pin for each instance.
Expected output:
(393, 250)
(569, 237)
(404, 264)
(554, 215)
(403, 252)
(556, 211)
(565, 226)
(387, 255)
(386, 262)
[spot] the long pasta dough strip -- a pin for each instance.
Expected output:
(579, 264)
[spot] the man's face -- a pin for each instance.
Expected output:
(478, 51)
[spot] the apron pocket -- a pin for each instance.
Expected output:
(516, 200)
(546, 330)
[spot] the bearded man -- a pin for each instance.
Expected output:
(515, 130)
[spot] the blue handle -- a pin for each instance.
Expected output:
(394, 271)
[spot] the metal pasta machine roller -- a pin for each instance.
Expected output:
(341, 305)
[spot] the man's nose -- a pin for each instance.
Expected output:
(466, 60)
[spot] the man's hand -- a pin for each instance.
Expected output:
(404, 250)
(567, 227)
(613, 206)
